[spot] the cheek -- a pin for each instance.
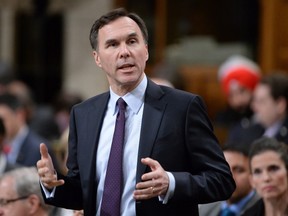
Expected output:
(282, 182)
(242, 180)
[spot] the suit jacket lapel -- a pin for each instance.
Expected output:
(153, 111)
(95, 120)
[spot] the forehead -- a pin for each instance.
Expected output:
(7, 187)
(266, 158)
(234, 157)
(262, 90)
(121, 27)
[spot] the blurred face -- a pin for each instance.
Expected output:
(122, 54)
(239, 98)
(10, 120)
(239, 165)
(15, 208)
(267, 110)
(269, 175)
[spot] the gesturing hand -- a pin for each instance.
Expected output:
(154, 183)
(46, 170)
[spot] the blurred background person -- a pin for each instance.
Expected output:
(62, 107)
(270, 105)
(244, 195)
(268, 163)
(21, 143)
(20, 194)
(238, 76)
(5, 165)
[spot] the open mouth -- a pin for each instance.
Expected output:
(126, 67)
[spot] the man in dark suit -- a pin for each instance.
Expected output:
(4, 163)
(171, 158)
(244, 195)
(21, 143)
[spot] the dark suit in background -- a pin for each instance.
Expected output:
(214, 209)
(29, 151)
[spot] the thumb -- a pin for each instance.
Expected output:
(150, 162)
(44, 151)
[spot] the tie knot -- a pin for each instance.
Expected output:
(121, 104)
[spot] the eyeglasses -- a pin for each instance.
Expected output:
(4, 202)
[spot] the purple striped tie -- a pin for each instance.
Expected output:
(111, 200)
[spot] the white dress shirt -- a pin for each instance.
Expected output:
(133, 115)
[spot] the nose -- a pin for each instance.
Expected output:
(266, 176)
(124, 51)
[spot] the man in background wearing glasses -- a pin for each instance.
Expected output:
(20, 194)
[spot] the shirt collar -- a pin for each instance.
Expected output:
(236, 207)
(134, 99)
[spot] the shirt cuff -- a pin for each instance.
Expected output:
(48, 194)
(170, 191)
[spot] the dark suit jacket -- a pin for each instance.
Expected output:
(258, 209)
(7, 166)
(282, 134)
(245, 136)
(214, 209)
(175, 131)
(29, 152)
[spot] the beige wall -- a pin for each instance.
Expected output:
(80, 71)
(6, 35)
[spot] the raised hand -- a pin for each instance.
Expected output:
(46, 170)
(154, 183)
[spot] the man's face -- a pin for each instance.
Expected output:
(239, 98)
(122, 53)
(239, 165)
(10, 120)
(267, 110)
(7, 192)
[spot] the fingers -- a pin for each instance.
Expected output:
(44, 151)
(48, 178)
(154, 183)
(153, 164)
(54, 183)
(46, 171)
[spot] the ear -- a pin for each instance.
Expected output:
(281, 105)
(97, 59)
(147, 53)
(34, 203)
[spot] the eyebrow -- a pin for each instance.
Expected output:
(131, 35)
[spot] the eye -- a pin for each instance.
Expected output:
(132, 41)
(256, 172)
(238, 170)
(112, 44)
(273, 168)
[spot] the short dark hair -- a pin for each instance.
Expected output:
(264, 144)
(242, 149)
(11, 100)
(278, 83)
(111, 16)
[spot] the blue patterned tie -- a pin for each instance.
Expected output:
(111, 200)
